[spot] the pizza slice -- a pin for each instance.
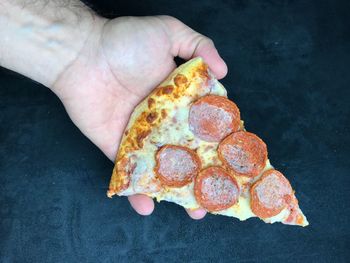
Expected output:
(186, 143)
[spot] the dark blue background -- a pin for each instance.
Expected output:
(289, 74)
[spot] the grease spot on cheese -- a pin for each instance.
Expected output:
(151, 117)
(164, 113)
(168, 89)
(180, 80)
(150, 102)
(141, 136)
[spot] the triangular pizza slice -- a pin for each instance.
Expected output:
(186, 143)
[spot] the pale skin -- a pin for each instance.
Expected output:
(99, 68)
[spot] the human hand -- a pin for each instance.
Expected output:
(119, 65)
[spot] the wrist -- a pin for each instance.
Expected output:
(40, 42)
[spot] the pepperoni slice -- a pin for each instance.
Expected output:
(270, 194)
(213, 117)
(215, 189)
(244, 153)
(176, 166)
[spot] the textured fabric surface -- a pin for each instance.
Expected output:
(288, 73)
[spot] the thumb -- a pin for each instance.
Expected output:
(187, 43)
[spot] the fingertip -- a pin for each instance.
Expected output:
(216, 64)
(196, 214)
(206, 49)
(142, 204)
(222, 68)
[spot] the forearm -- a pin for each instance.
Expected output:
(39, 39)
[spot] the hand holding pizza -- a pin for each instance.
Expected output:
(117, 68)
